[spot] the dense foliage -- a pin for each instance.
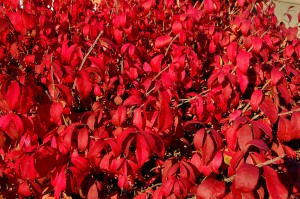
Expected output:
(148, 99)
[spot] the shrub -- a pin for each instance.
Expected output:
(148, 99)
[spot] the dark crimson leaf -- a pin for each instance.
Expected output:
(26, 167)
(246, 178)
(13, 95)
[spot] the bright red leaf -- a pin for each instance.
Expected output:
(246, 178)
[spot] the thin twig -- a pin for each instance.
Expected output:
(52, 78)
(289, 112)
(169, 46)
(88, 53)
(192, 98)
(266, 163)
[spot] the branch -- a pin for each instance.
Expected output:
(88, 53)
(289, 112)
(263, 88)
(266, 163)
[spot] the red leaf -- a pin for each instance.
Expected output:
(27, 99)
(132, 100)
(259, 144)
(245, 27)
(209, 6)
(246, 178)
(142, 150)
(137, 119)
(119, 116)
(162, 41)
(269, 109)
(165, 118)
(243, 59)
(155, 63)
(12, 126)
(243, 81)
(16, 20)
(211, 188)
(284, 92)
(96, 148)
(212, 47)
(45, 160)
(13, 95)
(27, 168)
(199, 107)
(256, 99)
(241, 2)
(24, 189)
(276, 188)
(155, 143)
(208, 150)
(295, 125)
(56, 111)
(60, 183)
(216, 162)
(244, 135)
(83, 84)
(284, 131)
(80, 162)
(83, 139)
(199, 139)
(177, 27)
(231, 51)
(93, 192)
(66, 93)
(257, 44)
(276, 75)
